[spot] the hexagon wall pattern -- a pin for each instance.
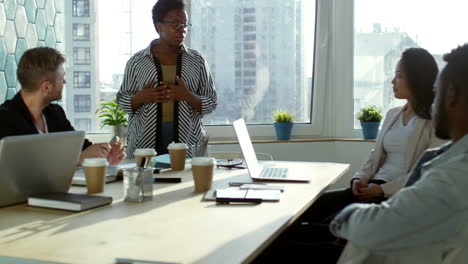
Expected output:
(25, 24)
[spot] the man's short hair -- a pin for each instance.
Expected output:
(38, 65)
(455, 73)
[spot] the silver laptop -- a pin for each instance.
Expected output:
(256, 171)
(33, 164)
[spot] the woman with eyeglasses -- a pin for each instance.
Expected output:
(167, 87)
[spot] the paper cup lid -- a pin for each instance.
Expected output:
(177, 146)
(203, 161)
(145, 152)
(94, 162)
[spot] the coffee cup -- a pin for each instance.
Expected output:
(95, 173)
(177, 152)
(147, 153)
(202, 170)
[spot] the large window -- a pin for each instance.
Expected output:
(80, 8)
(385, 28)
(263, 52)
(260, 53)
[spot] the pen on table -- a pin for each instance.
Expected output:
(167, 180)
(242, 183)
(225, 200)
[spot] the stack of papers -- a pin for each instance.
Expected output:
(250, 192)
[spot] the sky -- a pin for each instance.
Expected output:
(438, 26)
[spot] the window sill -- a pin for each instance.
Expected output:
(262, 140)
(105, 137)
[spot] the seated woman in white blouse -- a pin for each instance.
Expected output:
(406, 132)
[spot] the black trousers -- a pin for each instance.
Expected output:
(309, 239)
(297, 252)
(332, 202)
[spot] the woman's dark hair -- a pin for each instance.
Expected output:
(421, 71)
(162, 7)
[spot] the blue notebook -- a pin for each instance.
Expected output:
(164, 161)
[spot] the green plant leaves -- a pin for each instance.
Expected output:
(370, 114)
(111, 114)
(282, 116)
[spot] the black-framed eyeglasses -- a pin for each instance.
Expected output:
(177, 25)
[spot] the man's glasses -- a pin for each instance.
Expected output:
(177, 25)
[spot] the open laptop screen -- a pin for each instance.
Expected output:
(40, 163)
(247, 147)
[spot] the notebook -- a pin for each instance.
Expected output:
(256, 171)
(40, 163)
(263, 195)
(68, 201)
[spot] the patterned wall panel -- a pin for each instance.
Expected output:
(25, 24)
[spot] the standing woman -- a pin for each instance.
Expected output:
(167, 87)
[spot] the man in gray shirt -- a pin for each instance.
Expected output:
(426, 222)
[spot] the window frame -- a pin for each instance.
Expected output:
(320, 126)
(332, 81)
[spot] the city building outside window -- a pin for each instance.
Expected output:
(82, 56)
(82, 103)
(80, 8)
(250, 82)
(81, 32)
(82, 79)
(380, 38)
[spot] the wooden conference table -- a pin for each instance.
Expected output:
(177, 226)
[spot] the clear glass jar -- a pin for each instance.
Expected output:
(138, 185)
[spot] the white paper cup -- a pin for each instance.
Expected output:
(141, 153)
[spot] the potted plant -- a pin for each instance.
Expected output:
(283, 124)
(112, 115)
(370, 118)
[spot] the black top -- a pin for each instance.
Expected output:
(15, 119)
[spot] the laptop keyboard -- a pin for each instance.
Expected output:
(274, 173)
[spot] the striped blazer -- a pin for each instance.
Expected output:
(144, 124)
